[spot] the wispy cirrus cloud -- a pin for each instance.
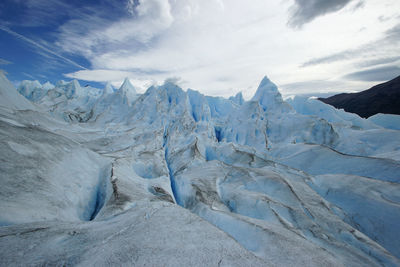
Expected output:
(4, 62)
(33, 13)
(39, 46)
(39, 13)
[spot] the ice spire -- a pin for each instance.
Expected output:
(108, 89)
(74, 89)
(268, 94)
(238, 98)
(127, 87)
(127, 90)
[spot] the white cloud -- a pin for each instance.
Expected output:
(221, 47)
(92, 34)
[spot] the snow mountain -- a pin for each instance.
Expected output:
(174, 177)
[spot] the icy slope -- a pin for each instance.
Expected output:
(45, 176)
(9, 97)
(317, 160)
(53, 184)
(372, 206)
(359, 136)
(388, 121)
(33, 90)
(150, 233)
(246, 167)
(312, 106)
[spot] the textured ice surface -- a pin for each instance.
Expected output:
(312, 106)
(372, 206)
(389, 121)
(169, 177)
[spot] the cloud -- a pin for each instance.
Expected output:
(375, 74)
(34, 13)
(315, 86)
(4, 62)
(344, 55)
(377, 52)
(199, 41)
(304, 11)
(90, 33)
(393, 34)
(360, 4)
(99, 75)
(131, 6)
(39, 46)
(378, 61)
(221, 47)
(29, 75)
(50, 13)
(383, 18)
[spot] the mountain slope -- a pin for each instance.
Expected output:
(382, 98)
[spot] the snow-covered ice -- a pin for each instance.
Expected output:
(172, 177)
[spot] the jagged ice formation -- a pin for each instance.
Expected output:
(174, 177)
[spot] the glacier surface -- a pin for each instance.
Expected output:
(171, 177)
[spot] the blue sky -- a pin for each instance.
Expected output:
(219, 47)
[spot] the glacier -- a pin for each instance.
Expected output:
(171, 177)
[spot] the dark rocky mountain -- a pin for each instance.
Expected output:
(381, 98)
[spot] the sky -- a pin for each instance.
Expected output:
(218, 47)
